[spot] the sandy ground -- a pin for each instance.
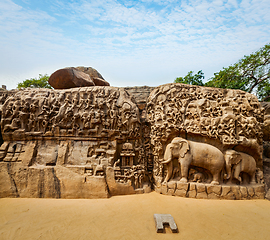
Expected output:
(131, 217)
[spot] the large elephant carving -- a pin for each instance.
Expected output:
(238, 162)
(195, 154)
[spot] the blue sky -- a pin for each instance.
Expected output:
(131, 43)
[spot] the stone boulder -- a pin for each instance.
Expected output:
(94, 75)
(76, 77)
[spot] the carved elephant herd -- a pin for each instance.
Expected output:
(190, 153)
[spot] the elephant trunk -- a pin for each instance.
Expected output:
(167, 155)
(228, 170)
(166, 161)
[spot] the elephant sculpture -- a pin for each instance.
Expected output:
(196, 154)
(238, 162)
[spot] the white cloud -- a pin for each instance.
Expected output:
(162, 39)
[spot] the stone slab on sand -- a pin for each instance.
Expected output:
(131, 217)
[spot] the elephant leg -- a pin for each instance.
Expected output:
(184, 172)
(169, 172)
(252, 180)
(237, 171)
(215, 179)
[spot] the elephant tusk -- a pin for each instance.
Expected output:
(166, 161)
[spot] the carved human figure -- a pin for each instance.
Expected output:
(237, 162)
(193, 153)
(259, 176)
(61, 113)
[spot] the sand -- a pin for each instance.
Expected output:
(131, 217)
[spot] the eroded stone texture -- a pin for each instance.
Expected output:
(265, 176)
(75, 143)
(206, 136)
(95, 142)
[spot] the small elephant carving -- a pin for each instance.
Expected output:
(195, 154)
(198, 177)
(195, 176)
(237, 162)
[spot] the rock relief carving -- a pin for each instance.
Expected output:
(194, 128)
(85, 130)
(100, 138)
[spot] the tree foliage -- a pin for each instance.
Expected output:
(192, 79)
(251, 74)
(40, 82)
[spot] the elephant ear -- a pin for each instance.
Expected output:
(183, 148)
(236, 158)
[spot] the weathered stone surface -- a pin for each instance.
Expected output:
(70, 78)
(140, 95)
(180, 192)
(7, 186)
(201, 195)
(250, 191)
(259, 191)
(104, 141)
(74, 185)
(170, 192)
(230, 196)
(75, 143)
(164, 188)
(243, 192)
(225, 190)
(213, 196)
(214, 128)
(266, 122)
(182, 186)
(94, 75)
(157, 189)
(117, 188)
(76, 77)
(200, 188)
(192, 186)
(192, 194)
(172, 185)
(147, 188)
(236, 191)
(214, 189)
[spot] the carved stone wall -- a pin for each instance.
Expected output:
(196, 130)
(69, 144)
(100, 141)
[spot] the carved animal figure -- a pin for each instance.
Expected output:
(196, 154)
(198, 177)
(239, 162)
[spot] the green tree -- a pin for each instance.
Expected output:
(192, 79)
(251, 74)
(40, 82)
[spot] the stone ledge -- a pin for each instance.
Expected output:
(208, 191)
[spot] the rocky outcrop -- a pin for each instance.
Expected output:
(76, 77)
(193, 130)
(266, 148)
(94, 75)
(100, 141)
(74, 143)
(140, 95)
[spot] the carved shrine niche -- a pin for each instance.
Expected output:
(205, 137)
